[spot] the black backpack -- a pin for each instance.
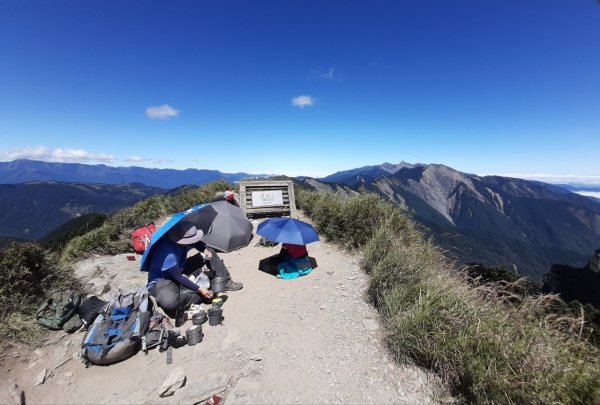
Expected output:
(89, 309)
(58, 309)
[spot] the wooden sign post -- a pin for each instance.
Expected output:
(269, 197)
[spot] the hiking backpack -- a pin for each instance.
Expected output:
(141, 237)
(58, 309)
(117, 332)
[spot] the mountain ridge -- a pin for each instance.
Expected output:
(25, 170)
(495, 220)
(370, 171)
(31, 210)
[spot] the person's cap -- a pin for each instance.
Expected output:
(229, 195)
(185, 233)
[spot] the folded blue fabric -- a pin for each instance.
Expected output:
(289, 269)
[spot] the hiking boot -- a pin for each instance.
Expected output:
(180, 320)
(233, 286)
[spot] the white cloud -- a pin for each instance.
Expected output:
(320, 74)
(56, 155)
(162, 161)
(329, 75)
(594, 194)
(554, 178)
(137, 159)
(162, 112)
(302, 101)
(307, 173)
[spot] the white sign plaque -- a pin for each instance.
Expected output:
(267, 198)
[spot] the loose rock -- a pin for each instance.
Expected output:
(40, 378)
(175, 380)
(370, 324)
(198, 391)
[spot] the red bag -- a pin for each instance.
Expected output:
(141, 237)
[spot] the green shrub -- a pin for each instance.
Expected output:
(491, 345)
(28, 274)
(352, 221)
(113, 236)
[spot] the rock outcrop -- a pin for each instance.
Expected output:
(594, 263)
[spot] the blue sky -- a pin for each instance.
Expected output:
(303, 87)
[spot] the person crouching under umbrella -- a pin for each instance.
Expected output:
(293, 261)
(167, 283)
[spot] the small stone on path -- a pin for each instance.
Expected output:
(174, 381)
(40, 378)
(370, 324)
(198, 391)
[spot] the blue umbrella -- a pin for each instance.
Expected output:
(288, 230)
(193, 213)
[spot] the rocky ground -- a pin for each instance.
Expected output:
(309, 340)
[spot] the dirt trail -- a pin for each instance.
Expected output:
(309, 340)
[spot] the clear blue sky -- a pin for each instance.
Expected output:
(303, 87)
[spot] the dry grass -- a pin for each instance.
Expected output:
(113, 236)
(491, 344)
(28, 273)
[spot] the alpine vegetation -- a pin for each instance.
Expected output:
(28, 273)
(491, 344)
(108, 239)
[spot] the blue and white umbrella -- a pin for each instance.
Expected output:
(189, 214)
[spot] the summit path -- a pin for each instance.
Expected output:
(304, 341)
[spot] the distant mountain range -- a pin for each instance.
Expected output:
(496, 221)
(23, 170)
(31, 210)
(519, 224)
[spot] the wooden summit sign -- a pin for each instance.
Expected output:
(268, 197)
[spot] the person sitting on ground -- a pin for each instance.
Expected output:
(168, 265)
(293, 261)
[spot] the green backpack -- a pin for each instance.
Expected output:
(58, 309)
